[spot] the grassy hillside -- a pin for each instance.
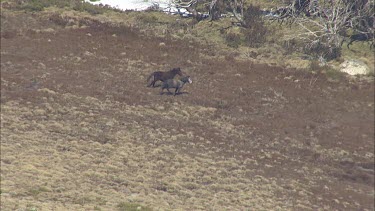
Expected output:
(81, 131)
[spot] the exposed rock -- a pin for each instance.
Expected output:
(42, 66)
(49, 30)
(355, 67)
(88, 53)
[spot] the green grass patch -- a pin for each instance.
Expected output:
(96, 208)
(126, 206)
(334, 75)
(78, 5)
(30, 207)
(36, 191)
(39, 5)
(82, 200)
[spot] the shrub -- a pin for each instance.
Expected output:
(123, 206)
(319, 50)
(147, 17)
(255, 30)
(39, 5)
(90, 8)
(233, 39)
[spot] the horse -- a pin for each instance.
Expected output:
(362, 37)
(177, 84)
(163, 76)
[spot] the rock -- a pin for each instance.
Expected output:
(161, 44)
(355, 67)
(41, 65)
(160, 108)
(78, 59)
(49, 30)
(88, 53)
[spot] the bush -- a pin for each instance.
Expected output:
(39, 5)
(90, 8)
(318, 50)
(255, 30)
(78, 5)
(147, 17)
(124, 206)
(233, 39)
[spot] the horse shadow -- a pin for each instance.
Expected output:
(172, 93)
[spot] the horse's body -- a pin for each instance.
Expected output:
(163, 76)
(362, 37)
(177, 84)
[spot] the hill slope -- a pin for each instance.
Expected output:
(81, 131)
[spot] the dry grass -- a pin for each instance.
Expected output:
(77, 133)
(69, 162)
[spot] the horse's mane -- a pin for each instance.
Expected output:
(176, 70)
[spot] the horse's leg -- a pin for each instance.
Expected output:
(350, 42)
(176, 91)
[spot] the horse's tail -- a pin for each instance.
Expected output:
(149, 77)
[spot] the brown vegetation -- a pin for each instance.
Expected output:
(78, 132)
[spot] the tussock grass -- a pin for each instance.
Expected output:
(132, 161)
(125, 206)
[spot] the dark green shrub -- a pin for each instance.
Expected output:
(147, 17)
(124, 206)
(318, 50)
(255, 30)
(90, 8)
(39, 5)
(233, 39)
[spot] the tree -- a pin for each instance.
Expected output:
(323, 32)
(215, 8)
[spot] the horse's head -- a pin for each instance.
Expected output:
(177, 71)
(186, 79)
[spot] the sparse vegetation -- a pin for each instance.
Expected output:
(233, 38)
(78, 5)
(126, 206)
(39, 5)
(81, 131)
(255, 30)
(31, 207)
(34, 192)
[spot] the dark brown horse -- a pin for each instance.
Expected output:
(163, 76)
(362, 37)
